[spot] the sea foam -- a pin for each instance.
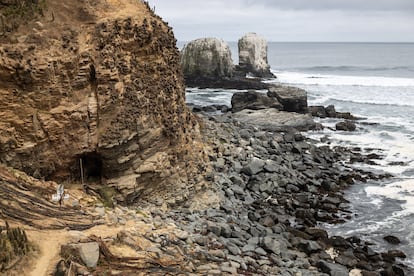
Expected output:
(322, 79)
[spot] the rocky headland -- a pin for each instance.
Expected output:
(92, 97)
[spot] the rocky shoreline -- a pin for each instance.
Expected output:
(259, 213)
(95, 99)
(276, 189)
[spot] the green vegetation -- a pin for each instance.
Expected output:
(107, 194)
(13, 244)
(13, 13)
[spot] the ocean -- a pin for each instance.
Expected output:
(371, 80)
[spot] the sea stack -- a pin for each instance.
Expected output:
(253, 56)
(207, 58)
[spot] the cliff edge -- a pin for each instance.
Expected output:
(93, 91)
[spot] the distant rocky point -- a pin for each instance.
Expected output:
(207, 62)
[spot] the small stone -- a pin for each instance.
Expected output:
(234, 249)
(217, 253)
(260, 251)
(100, 211)
(182, 235)
(333, 269)
(76, 236)
(237, 190)
(204, 267)
(248, 247)
(225, 230)
(214, 228)
(255, 166)
(267, 221)
(226, 267)
(271, 244)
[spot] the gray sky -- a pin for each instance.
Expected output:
(291, 20)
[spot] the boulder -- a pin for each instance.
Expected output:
(317, 111)
(293, 99)
(253, 100)
(346, 126)
(207, 58)
(332, 269)
(87, 252)
(329, 111)
(253, 56)
(392, 239)
(274, 120)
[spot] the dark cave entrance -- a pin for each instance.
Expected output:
(90, 167)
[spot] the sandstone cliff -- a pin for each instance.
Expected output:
(97, 82)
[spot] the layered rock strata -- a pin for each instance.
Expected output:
(97, 85)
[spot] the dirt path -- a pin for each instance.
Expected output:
(49, 243)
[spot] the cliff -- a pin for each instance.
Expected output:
(97, 84)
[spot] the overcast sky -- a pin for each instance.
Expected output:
(291, 20)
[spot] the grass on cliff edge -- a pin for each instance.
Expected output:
(17, 12)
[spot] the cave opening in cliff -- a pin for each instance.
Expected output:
(90, 167)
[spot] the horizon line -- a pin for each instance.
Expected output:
(296, 41)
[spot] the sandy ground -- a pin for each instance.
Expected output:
(48, 243)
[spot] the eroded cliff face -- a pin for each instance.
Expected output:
(98, 82)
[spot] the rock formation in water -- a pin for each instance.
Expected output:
(97, 83)
(293, 99)
(253, 56)
(207, 63)
(253, 100)
(207, 58)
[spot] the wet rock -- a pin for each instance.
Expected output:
(253, 100)
(346, 126)
(317, 111)
(330, 111)
(392, 239)
(392, 254)
(292, 99)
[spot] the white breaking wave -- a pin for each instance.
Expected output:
(401, 190)
(322, 79)
(323, 89)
